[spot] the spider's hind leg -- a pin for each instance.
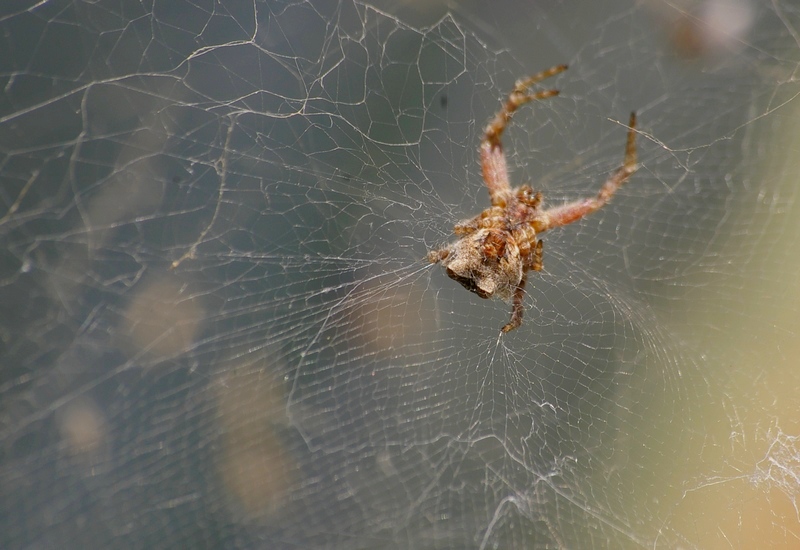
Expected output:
(436, 256)
(536, 257)
(518, 307)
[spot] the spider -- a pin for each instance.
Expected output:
(496, 249)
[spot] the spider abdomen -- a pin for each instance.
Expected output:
(486, 262)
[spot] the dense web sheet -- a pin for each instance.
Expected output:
(219, 329)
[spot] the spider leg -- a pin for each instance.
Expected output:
(517, 308)
(516, 99)
(536, 257)
(466, 227)
(574, 211)
(436, 256)
(493, 161)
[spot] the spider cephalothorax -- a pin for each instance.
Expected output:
(498, 247)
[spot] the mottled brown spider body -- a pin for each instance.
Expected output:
(498, 247)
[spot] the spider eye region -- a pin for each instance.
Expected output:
(486, 262)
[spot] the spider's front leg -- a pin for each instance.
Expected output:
(574, 211)
(493, 160)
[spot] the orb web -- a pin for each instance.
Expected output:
(219, 328)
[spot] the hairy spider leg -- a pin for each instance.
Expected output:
(574, 211)
(518, 307)
(518, 301)
(493, 161)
